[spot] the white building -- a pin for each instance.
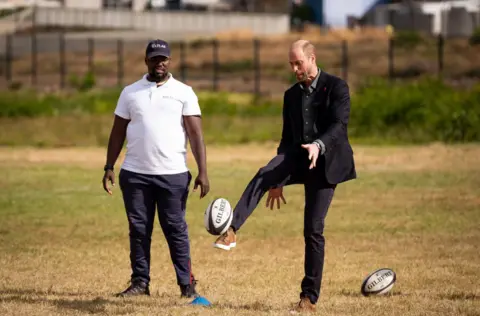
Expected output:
(455, 17)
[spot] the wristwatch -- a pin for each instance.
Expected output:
(107, 167)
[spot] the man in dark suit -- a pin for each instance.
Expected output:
(314, 151)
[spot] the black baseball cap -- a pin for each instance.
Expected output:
(157, 48)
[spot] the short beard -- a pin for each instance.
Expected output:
(304, 77)
(156, 77)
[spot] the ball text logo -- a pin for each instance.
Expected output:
(220, 211)
(379, 279)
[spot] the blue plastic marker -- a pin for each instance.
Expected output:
(201, 301)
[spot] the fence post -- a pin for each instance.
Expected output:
(34, 54)
(256, 61)
(215, 65)
(345, 59)
(91, 52)
(120, 62)
(63, 64)
(183, 70)
(8, 58)
(391, 67)
(441, 43)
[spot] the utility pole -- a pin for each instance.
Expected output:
(477, 25)
(444, 14)
(411, 10)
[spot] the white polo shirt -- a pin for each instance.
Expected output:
(156, 137)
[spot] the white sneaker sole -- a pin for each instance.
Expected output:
(219, 246)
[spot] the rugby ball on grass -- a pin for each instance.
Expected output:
(379, 282)
(218, 216)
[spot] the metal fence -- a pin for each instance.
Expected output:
(257, 66)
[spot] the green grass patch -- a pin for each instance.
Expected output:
(31, 104)
(381, 112)
(428, 110)
(41, 196)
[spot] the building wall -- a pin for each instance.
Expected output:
(407, 21)
(84, 4)
(452, 18)
(188, 23)
(437, 9)
(458, 22)
(139, 5)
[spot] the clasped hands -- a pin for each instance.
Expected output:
(276, 194)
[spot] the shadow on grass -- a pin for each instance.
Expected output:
(79, 301)
(93, 306)
(21, 292)
(255, 306)
(102, 305)
(357, 294)
(462, 296)
(66, 300)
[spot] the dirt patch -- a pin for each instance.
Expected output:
(428, 157)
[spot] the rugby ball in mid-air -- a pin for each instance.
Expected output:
(218, 216)
(379, 282)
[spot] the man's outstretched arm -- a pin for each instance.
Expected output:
(193, 127)
(115, 144)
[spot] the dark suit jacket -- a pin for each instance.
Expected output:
(333, 103)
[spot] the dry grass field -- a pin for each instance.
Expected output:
(64, 242)
(367, 56)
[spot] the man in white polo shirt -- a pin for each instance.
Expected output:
(157, 115)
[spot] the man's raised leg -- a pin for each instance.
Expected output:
(277, 172)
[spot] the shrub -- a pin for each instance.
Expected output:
(86, 83)
(407, 39)
(422, 111)
(427, 110)
(475, 37)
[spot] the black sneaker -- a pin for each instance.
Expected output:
(188, 291)
(136, 288)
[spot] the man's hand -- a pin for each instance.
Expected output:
(275, 195)
(202, 181)
(109, 176)
(313, 152)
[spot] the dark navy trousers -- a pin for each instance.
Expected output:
(142, 194)
(287, 169)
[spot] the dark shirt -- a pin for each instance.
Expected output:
(308, 111)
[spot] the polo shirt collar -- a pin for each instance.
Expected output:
(146, 82)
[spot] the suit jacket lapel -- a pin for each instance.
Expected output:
(294, 99)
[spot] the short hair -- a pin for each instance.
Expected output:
(308, 48)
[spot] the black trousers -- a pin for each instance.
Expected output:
(287, 169)
(168, 193)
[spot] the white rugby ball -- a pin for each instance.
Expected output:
(379, 282)
(218, 216)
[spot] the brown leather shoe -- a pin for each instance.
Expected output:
(304, 306)
(226, 241)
